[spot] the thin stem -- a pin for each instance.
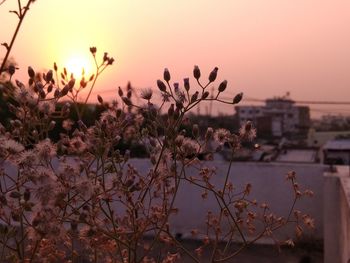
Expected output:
(9, 48)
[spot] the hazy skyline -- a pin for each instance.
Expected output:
(263, 48)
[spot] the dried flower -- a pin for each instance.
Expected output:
(93, 50)
(146, 94)
(247, 132)
(221, 135)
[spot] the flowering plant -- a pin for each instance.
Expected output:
(83, 198)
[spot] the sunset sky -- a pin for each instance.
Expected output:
(263, 48)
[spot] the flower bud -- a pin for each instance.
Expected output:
(194, 97)
(171, 110)
(209, 133)
(71, 84)
(222, 86)
(166, 75)
(11, 69)
(187, 84)
(213, 74)
(120, 92)
(105, 57)
(42, 94)
(65, 91)
(35, 133)
(56, 93)
(127, 101)
(52, 125)
(176, 87)
(26, 195)
(93, 50)
(179, 105)
(31, 72)
(129, 93)
(49, 76)
(110, 61)
(238, 98)
(196, 72)
(49, 88)
(205, 95)
(161, 85)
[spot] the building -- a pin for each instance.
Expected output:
(278, 117)
(337, 152)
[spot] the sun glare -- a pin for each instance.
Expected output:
(78, 65)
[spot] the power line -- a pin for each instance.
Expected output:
(305, 101)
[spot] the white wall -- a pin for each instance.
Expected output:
(337, 218)
(268, 185)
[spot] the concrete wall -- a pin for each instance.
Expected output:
(268, 185)
(337, 218)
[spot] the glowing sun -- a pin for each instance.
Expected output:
(78, 65)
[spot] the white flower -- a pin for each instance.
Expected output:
(189, 147)
(46, 107)
(12, 146)
(221, 135)
(146, 94)
(45, 149)
(247, 132)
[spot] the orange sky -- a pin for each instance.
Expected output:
(262, 47)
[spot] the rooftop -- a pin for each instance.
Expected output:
(341, 145)
(297, 155)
